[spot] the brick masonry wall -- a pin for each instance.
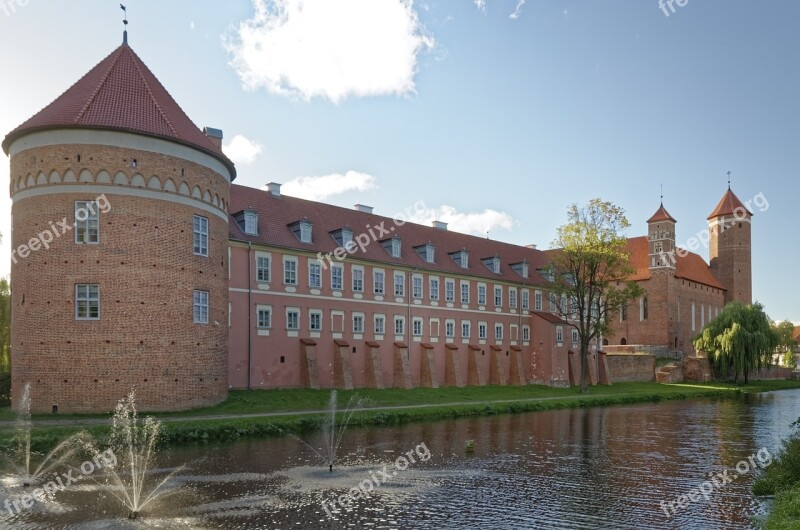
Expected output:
(147, 272)
(626, 368)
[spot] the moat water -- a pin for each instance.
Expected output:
(608, 468)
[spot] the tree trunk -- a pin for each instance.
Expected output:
(584, 368)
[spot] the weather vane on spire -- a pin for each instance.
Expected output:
(125, 24)
(729, 180)
(662, 194)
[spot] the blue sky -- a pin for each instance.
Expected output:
(497, 123)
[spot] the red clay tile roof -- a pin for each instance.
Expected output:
(661, 215)
(550, 317)
(796, 334)
(728, 205)
(276, 213)
(120, 93)
(688, 266)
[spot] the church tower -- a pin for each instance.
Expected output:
(729, 250)
(661, 240)
(119, 247)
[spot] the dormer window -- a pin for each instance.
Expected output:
(392, 246)
(426, 252)
(547, 274)
(521, 268)
(344, 237)
(461, 257)
(251, 223)
(247, 221)
(493, 264)
(302, 230)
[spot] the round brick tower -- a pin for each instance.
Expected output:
(729, 251)
(119, 236)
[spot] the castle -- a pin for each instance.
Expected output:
(137, 262)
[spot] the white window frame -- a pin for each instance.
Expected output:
(433, 288)
(575, 338)
(498, 296)
(260, 270)
(481, 294)
(450, 328)
(416, 287)
(449, 290)
(526, 333)
(199, 235)
(379, 286)
(537, 301)
(337, 276)
(251, 223)
(379, 323)
(399, 325)
(87, 301)
(305, 232)
(358, 322)
(399, 284)
(525, 296)
(466, 329)
(483, 330)
(289, 272)
(512, 298)
(498, 331)
(314, 315)
(416, 326)
(263, 323)
(87, 229)
(358, 278)
(292, 311)
(560, 334)
(200, 306)
(464, 292)
(314, 274)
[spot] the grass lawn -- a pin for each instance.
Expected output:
(419, 404)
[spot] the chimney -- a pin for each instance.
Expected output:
(274, 188)
(532, 246)
(440, 225)
(215, 135)
(364, 208)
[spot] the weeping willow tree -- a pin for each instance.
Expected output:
(739, 341)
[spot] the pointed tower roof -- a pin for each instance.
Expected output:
(661, 215)
(122, 94)
(729, 205)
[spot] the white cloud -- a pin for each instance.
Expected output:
(321, 187)
(518, 10)
(321, 48)
(481, 4)
(191, 24)
(242, 150)
(477, 223)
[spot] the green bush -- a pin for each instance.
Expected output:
(784, 472)
(5, 389)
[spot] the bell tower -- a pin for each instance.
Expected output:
(661, 240)
(729, 250)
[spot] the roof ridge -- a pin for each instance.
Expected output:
(153, 97)
(99, 86)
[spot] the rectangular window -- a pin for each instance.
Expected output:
(450, 328)
(399, 284)
(464, 293)
(264, 320)
(87, 302)
(482, 330)
(481, 294)
(399, 325)
(380, 324)
(200, 231)
(498, 332)
(553, 304)
(498, 296)
(417, 287)
(434, 288)
(87, 223)
(315, 320)
(290, 271)
(262, 268)
(512, 298)
(450, 290)
(358, 279)
(623, 312)
(575, 337)
(417, 327)
(200, 307)
(315, 274)
(465, 329)
(537, 301)
(337, 277)
(358, 323)
(292, 319)
(559, 334)
(526, 299)
(526, 333)
(378, 281)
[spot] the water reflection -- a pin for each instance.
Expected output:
(577, 468)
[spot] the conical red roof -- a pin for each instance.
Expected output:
(120, 93)
(661, 215)
(729, 205)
